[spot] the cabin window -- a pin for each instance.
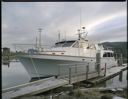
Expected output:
(59, 45)
(53, 53)
(105, 55)
(62, 53)
(108, 55)
(68, 44)
(111, 55)
(64, 44)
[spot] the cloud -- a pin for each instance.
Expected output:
(109, 28)
(20, 21)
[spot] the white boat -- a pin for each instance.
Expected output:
(44, 62)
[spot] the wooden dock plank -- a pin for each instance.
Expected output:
(34, 88)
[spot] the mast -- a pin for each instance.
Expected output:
(40, 30)
(65, 35)
(79, 30)
(36, 43)
(59, 36)
(80, 19)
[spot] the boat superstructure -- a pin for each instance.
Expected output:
(43, 62)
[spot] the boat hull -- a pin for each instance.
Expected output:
(50, 65)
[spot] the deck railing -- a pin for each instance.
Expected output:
(33, 48)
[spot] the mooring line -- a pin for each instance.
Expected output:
(34, 67)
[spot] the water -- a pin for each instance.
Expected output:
(15, 74)
(114, 82)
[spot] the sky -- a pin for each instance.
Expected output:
(104, 21)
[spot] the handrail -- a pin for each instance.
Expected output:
(25, 47)
(73, 64)
(24, 44)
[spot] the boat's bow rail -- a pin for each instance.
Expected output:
(23, 48)
(34, 49)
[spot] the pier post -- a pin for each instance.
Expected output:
(120, 75)
(98, 61)
(76, 74)
(127, 74)
(121, 59)
(69, 75)
(105, 69)
(76, 69)
(87, 70)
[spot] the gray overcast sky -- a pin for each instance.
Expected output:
(105, 21)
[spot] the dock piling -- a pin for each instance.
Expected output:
(98, 61)
(87, 70)
(120, 75)
(105, 69)
(121, 58)
(126, 74)
(69, 75)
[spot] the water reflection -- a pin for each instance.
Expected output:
(6, 62)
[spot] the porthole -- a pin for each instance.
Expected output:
(83, 59)
(53, 53)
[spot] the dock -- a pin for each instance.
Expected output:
(33, 88)
(47, 84)
(110, 73)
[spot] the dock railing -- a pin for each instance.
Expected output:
(78, 71)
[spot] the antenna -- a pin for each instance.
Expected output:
(65, 35)
(79, 30)
(36, 42)
(80, 18)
